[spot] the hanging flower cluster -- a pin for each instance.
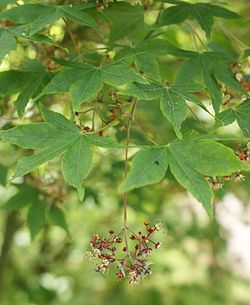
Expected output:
(128, 250)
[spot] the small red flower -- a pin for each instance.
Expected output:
(134, 262)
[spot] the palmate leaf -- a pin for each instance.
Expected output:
(172, 99)
(52, 138)
(240, 113)
(213, 68)
(189, 160)
(203, 13)
(84, 80)
(144, 55)
(36, 16)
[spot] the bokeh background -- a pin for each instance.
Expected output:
(201, 261)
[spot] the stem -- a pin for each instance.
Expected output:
(125, 195)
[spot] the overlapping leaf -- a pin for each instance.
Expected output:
(30, 18)
(55, 136)
(36, 16)
(144, 55)
(189, 160)
(240, 113)
(84, 80)
(172, 99)
(213, 68)
(203, 13)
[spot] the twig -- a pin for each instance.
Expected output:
(125, 195)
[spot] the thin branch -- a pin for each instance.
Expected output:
(125, 195)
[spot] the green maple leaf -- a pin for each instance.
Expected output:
(172, 99)
(84, 80)
(144, 55)
(203, 13)
(213, 68)
(36, 16)
(52, 138)
(189, 160)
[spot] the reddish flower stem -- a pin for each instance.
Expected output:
(125, 196)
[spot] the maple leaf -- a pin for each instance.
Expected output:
(203, 13)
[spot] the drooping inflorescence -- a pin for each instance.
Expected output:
(128, 250)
